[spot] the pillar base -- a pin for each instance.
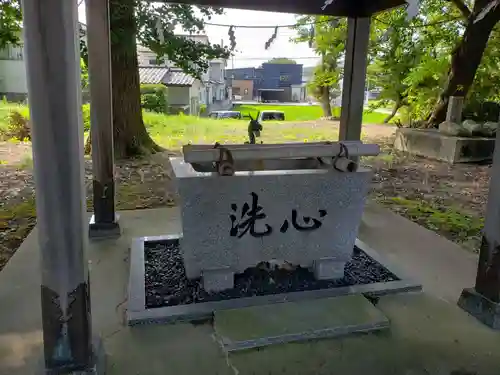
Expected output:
(104, 230)
(483, 309)
(97, 367)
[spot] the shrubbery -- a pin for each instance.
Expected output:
(18, 125)
(154, 98)
(86, 117)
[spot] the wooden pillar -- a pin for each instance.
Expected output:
(483, 301)
(53, 72)
(353, 87)
(104, 222)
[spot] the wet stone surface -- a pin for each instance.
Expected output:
(166, 283)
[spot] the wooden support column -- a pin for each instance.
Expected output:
(53, 73)
(353, 86)
(483, 301)
(104, 222)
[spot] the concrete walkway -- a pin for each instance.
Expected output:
(443, 267)
(428, 335)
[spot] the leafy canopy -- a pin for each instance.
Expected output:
(10, 22)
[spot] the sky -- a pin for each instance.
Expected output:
(250, 41)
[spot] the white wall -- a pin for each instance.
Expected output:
(178, 95)
(13, 76)
(216, 71)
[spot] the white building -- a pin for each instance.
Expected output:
(13, 81)
(213, 90)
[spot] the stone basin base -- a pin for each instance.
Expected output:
(160, 292)
(431, 144)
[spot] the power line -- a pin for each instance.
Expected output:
(289, 26)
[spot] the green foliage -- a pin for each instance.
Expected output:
(326, 35)
(203, 109)
(281, 60)
(18, 126)
(86, 117)
(84, 74)
(410, 59)
(10, 22)
(154, 98)
(155, 25)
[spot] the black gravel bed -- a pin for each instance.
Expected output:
(166, 283)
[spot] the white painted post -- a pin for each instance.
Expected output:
(53, 71)
(353, 85)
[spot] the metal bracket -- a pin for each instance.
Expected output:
(341, 161)
(225, 165)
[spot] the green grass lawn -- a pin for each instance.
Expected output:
(172, 132)
(305, 113)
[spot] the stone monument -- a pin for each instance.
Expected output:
(269, 202)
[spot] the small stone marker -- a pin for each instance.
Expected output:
(455, 107)
(230, 223)
(258, 326)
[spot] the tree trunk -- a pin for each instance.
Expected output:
(465, 60)
(397, 105)
(325, 101)
(129, 132)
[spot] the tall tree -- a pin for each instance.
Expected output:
(410, 58)
(326, 36)
(10, 22)
(395, 51)
(153, 25)
(467, 55)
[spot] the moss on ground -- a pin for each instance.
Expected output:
(451, 222)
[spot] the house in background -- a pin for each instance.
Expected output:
(13, 81)
(242, 89)
(272, 82)
(215, 92)
(183, 90)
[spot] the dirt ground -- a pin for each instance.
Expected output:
(448, 199)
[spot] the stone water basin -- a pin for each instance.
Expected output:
(264, 165)
(293, 209)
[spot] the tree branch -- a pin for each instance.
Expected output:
(462, 7)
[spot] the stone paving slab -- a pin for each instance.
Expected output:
(427, 337)
(258, 326)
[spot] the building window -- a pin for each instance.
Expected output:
(12, 53)
(245, 92)
(236, 90)
(153, 62)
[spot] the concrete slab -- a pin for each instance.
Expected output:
(432, 144)
(259, 326)
(443, 268)
(428, 335)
